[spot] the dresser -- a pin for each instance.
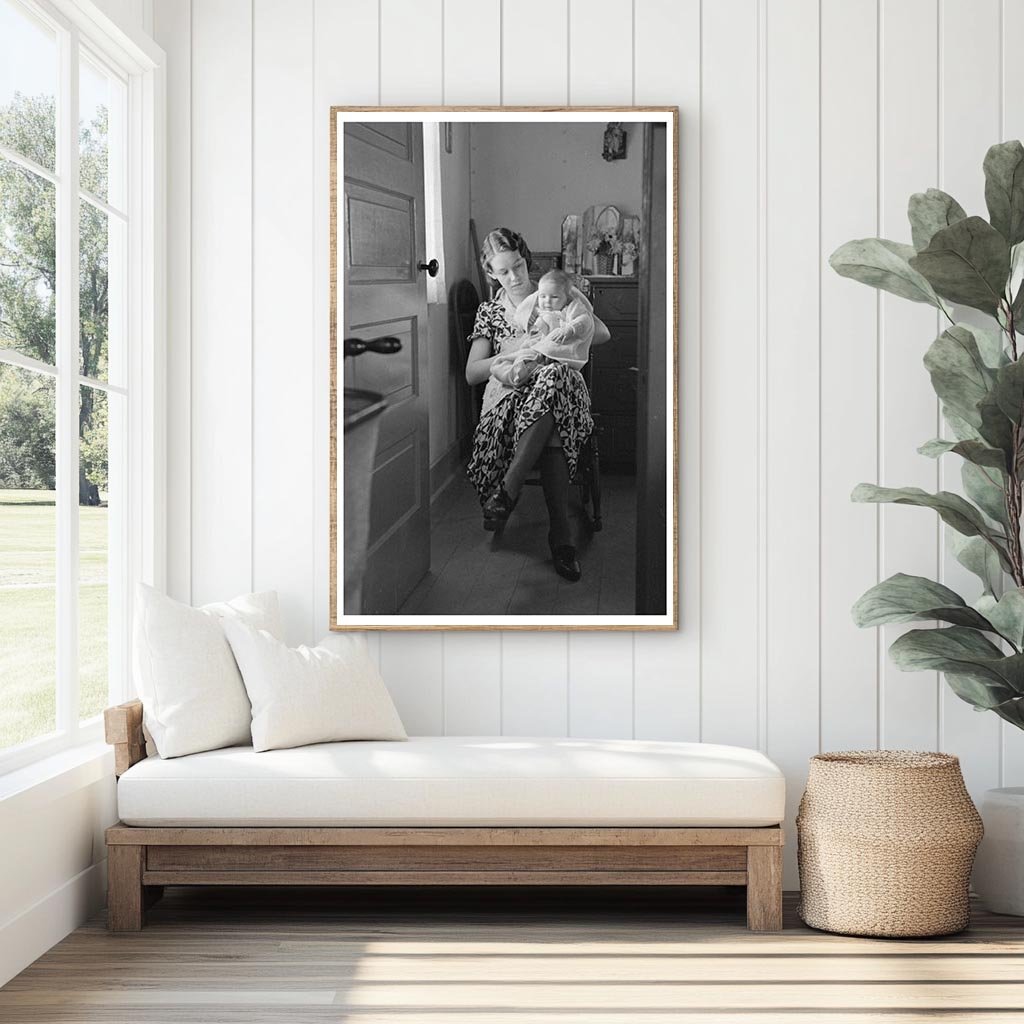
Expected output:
(614, 371)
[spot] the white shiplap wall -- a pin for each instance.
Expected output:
(804, 123)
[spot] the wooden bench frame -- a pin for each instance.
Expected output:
(142, 860)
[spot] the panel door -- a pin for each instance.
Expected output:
(385, 295)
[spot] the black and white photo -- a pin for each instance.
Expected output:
(504, 368)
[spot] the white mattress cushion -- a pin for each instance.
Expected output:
(459, 781)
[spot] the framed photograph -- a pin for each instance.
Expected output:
(504, 368)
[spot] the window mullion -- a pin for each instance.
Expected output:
(67, 387)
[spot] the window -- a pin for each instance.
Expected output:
(76, 244)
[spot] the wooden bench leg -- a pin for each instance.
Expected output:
(125, 898)
(764, 888)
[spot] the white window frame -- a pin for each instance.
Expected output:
(140, 63)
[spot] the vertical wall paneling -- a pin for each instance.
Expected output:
(472, 75)
(354, 81)
(221, 369)
(472, 52)
(777, 420)
(534, 52)
(411, 70)
(968, 125)
(601, 52)
(414, 673)
(849, 369)
(792, 416)
(666, 668)
(283, 338)
(472, 684)
(909, 139)
(534, 692)
(1012, 127)
(373, 645)
(601, 685)
(173, 28)
(729, 386)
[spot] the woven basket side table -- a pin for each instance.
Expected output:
(885, 843)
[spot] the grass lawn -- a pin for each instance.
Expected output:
(28, 614)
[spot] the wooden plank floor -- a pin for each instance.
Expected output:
(608, 956)
(472, 572)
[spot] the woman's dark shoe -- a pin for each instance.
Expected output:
(564, 557)
(497, 508)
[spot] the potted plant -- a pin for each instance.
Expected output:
(978, 374)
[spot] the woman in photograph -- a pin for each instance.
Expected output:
(546, 421)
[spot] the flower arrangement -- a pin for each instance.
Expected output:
(605, 246)
(605, 243)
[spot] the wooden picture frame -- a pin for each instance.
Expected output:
(403, 178)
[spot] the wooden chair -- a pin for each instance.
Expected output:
(463, 302)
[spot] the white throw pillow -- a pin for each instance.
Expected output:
(192, 693)
(309, 694)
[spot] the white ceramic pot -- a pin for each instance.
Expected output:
(999, 866)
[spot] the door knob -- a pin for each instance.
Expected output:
(384, 346)
(431, 268)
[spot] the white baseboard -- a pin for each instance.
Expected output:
(25, 938)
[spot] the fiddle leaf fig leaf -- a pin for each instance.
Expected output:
(962, 430)
(1006, 614)
(1016, 279)
(996, 428)
(984, 486)
(967, 263)
(1009, 390)
(1015, 285)
(976, 555)
(883, 264)
(952, 509)
(1004, 189)
(929, 212)
(1017, 308)
(973, 451)
(903, 598)
(980, 692)
(1011, 710)
(964, 652)
(959, 374)
(990, 345)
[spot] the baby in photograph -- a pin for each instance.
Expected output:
(557, 323)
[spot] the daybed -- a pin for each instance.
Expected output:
(444, 811)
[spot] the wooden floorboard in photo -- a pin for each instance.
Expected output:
(608, 956)
(473, 572)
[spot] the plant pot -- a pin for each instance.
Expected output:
(885, 842)
(999, 868)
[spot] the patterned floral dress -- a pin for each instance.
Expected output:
(554, 388)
